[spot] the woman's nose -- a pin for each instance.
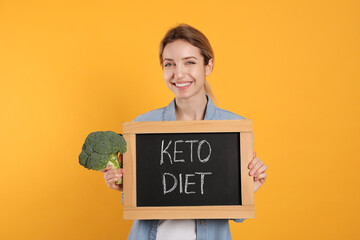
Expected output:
(179, 71)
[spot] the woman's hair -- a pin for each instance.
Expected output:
(195, 38)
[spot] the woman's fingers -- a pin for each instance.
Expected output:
(260, 170)
(113, 173)
(112, 176)
(108, 167)
(257, 169)
(261, 177)
(112, 184)
(253, 161)
(257, 163)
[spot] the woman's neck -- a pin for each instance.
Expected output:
(191, 108)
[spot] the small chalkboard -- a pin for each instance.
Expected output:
(188, 170)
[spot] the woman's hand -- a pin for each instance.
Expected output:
(257, 170)
(111, 176)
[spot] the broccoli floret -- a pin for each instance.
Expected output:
(101, 149)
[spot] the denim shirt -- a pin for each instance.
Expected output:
(206, 229)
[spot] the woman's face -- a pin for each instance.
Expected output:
(184, 69)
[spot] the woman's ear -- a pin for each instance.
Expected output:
(209, 67)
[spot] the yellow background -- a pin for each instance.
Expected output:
(68, 68)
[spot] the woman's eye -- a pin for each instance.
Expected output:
(167, 64)
(190, 62)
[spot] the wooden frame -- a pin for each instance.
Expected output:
(246, 210)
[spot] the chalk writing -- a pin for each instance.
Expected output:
(170, 182)
(176, 151)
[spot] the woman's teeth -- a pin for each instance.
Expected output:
(182, 84)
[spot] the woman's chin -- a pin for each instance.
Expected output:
(188, 96)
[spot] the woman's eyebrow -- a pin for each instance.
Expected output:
(185, 58)
(189, 58)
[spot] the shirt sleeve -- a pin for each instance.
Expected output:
(240, 220)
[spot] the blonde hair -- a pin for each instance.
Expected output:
(195, 38)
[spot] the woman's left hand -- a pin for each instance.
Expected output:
(257, 170)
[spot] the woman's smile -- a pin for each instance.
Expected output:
(182, 85)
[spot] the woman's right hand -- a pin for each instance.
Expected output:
(111, 176)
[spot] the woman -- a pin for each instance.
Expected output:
(186, 58)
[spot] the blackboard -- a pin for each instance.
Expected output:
(188, 169)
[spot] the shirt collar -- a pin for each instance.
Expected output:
(169, 111)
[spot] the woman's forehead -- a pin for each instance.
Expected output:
(180, 49)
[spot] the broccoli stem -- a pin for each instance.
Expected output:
(114, 162)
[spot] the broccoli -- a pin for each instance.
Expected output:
(101, 149)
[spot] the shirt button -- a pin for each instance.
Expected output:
(202, 222)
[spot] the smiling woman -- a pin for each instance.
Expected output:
(185, 72)
(187, 58)
(197, 50)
